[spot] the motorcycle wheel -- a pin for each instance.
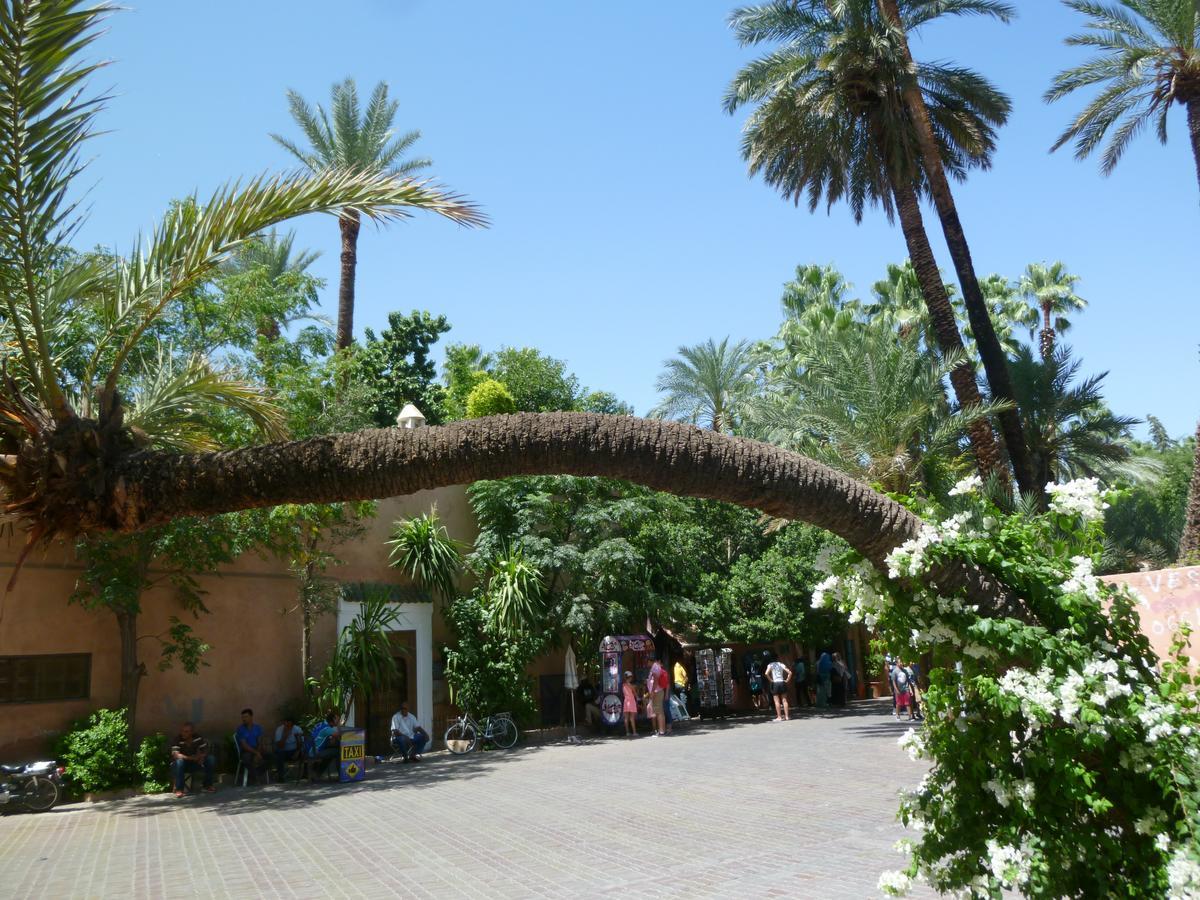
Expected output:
(40, 794)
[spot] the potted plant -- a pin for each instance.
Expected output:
(876, 663)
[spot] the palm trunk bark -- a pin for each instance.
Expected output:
(156, 486)
(132, 671)
(1193, 115)
(944, 325)
(995, 363)
(1189, 543)
(348, 222)
(1047, 334)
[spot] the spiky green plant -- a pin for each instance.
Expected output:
(423, 549)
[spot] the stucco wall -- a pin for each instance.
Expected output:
(253, 628)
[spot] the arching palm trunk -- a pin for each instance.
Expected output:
(944, 325)
(1189, 543)
(153, 486)
(348, 222)
(991, 354)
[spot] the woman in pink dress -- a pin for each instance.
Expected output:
(629, 705)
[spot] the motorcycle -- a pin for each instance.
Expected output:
(36, 786)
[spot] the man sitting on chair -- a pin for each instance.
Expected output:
(289, 745)
(408, 737)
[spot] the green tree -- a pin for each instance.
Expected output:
(1189, 542)
(490, 398)
(466, 365)
(423, 549)
(350, 139)
(1144, 522)
(830, 123)
(707, 383)
(1051, 289)
(537, 382)
(396, 368)
(1147, 60)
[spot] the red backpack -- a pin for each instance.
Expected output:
(662, 678)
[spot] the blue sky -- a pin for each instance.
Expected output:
(624, 223)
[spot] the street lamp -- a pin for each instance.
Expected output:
(410, 417)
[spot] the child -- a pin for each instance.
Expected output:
(629, 705)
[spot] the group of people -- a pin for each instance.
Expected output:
(661, 705)
(902, 682)
(193, 755)
(769, 682)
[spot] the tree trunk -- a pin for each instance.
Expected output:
(1193, 115)
(1189, 543)
(945, 326)
(156, 486)
(1047, 335)
(348, 222)
(132, 671)
(995, 363)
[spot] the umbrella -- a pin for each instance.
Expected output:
(571, 683)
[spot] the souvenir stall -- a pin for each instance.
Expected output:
(621, 653)
(714, 681)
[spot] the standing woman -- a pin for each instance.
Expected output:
(629, 705)
(778, 676)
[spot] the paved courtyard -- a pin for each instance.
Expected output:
(739, 809)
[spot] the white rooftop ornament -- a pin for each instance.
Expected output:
(410, 417)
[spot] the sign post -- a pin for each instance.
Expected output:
(354, 752)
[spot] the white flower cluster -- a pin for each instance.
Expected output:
(1083, 580)
(909, 557)
(912, 743)
(1183, 874)
(968, 485)
(1010, 865)
(1022, 789)
(896, 884)
(857, 593)
(1080, 497)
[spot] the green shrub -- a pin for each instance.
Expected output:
(96, 753)
(154, 764)
(489, 398)
(486, 670)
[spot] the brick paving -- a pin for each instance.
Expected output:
(744, 808)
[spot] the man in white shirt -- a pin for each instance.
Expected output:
(408, 737)
(289, 745)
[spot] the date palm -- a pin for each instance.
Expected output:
(1147, 61)
(830, 123)
(65, 472)
(1051, 289)
(902, 16)
(348, 138)
(707, 383)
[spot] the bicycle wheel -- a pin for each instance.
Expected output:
(461, 738)
(40, 794)
(504, 733)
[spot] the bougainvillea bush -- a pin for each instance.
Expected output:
(1063, 753)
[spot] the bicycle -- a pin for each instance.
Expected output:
(465, 733)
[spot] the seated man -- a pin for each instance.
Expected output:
(190, 754)
(325, 743)
(249, 736)
(289, 745)
(591, 709)
(408, 737)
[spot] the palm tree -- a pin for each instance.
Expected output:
(706, 383)
(350, 139)
(1072, 434)
(830, 124)
(65, 472)
(867, 401)
(1147, 60)
(902, 17)
(1051, 288)
(271, 252)
(899, 296)
(1007, 312)
(813, 285)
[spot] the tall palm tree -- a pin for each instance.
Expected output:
(66, 473)
(829, 124)
(348, 138)
(1051, 289)
(706, 383)
(1072, 433)
(1147, 60)
(903, 16)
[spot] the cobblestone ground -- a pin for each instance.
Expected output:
(737, 809)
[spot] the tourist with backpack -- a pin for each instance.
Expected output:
(902, 685)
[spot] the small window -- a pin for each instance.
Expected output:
(41, 679)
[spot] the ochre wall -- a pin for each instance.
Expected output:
(253, 628)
